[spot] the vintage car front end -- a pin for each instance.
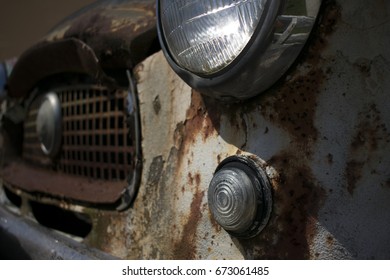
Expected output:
(122, 139)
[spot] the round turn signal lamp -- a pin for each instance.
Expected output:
(239, 197)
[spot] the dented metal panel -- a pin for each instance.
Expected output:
(322, 132)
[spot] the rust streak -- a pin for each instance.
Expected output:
(214, 223)
(371, 133)
(190, 179)
(198, 122)
(330, 240)
(197, 179)
(185, 249)
(370, 130)
(294, 105)
(298, 196)
(293, 225)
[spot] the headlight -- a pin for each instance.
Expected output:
(233, 49)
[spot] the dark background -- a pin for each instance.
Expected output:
(24, 22)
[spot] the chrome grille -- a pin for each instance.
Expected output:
(95, 138)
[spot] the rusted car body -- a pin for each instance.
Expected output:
(321, 133)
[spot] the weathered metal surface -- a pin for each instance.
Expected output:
(111, 35)
(48, 59)
(122, 33)
(323, 135)
(24, 239)
(322, 131)
(160, 225)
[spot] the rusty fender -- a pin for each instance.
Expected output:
(322, 133)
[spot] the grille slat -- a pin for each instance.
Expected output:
(95, 138)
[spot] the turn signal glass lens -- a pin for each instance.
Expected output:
(204, 36)
(240, 197)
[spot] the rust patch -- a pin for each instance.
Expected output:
(298, 196)
(214, 110)
(198, 122)
(197, 179)
(330, 16)
(371, 133)
(198, 118)
(294, 104)
(190, 179)
(178, 135)
(329, 240)
(196, 108)
(214, 223)
(297, 200)
(194, 118)
(185, 249)
(194, 179)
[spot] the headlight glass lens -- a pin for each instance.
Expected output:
(204, 36)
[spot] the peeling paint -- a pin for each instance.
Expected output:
(155, 170)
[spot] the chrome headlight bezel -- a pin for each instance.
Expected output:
(262, 62)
